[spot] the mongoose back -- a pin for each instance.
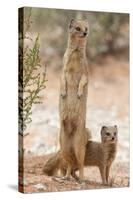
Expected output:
(73, 97)
(97, 154)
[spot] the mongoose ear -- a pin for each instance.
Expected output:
(116, 127)
(71, 23)
(87, 22)
(103, 128)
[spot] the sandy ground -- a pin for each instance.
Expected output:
(35, 181)
(108, 103)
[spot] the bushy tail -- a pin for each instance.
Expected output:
(56, 162)
(53, 164)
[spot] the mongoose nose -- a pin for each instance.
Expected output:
(85, 33)
(113, 138)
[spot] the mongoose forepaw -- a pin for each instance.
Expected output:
(79, 95)
(65, 178)
(63, 95)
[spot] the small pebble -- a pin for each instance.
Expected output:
(40, 186)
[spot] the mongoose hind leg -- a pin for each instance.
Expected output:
(107, 173)
(66, 174)
(80, 154)
(69, 170)
(103, 174)
(63, 172)
(74, 175)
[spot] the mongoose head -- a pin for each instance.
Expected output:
(109, 134)
(78, 29)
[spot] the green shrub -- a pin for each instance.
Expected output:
(31, 75)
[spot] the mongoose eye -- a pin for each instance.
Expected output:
(86, 29)
(108, 134)
(78, 28)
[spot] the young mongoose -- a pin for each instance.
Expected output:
(73, 97)
(97, 154)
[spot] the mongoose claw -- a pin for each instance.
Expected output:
(63, 95)
(104, 183)
(80, 181)
(65, 178)
(79, 95)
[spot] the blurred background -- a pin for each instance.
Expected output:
(108, 32)
(108, 91)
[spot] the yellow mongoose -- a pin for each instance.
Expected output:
(97, 154)
(73, 97)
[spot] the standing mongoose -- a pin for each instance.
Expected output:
(73, 97)
(97, 154)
